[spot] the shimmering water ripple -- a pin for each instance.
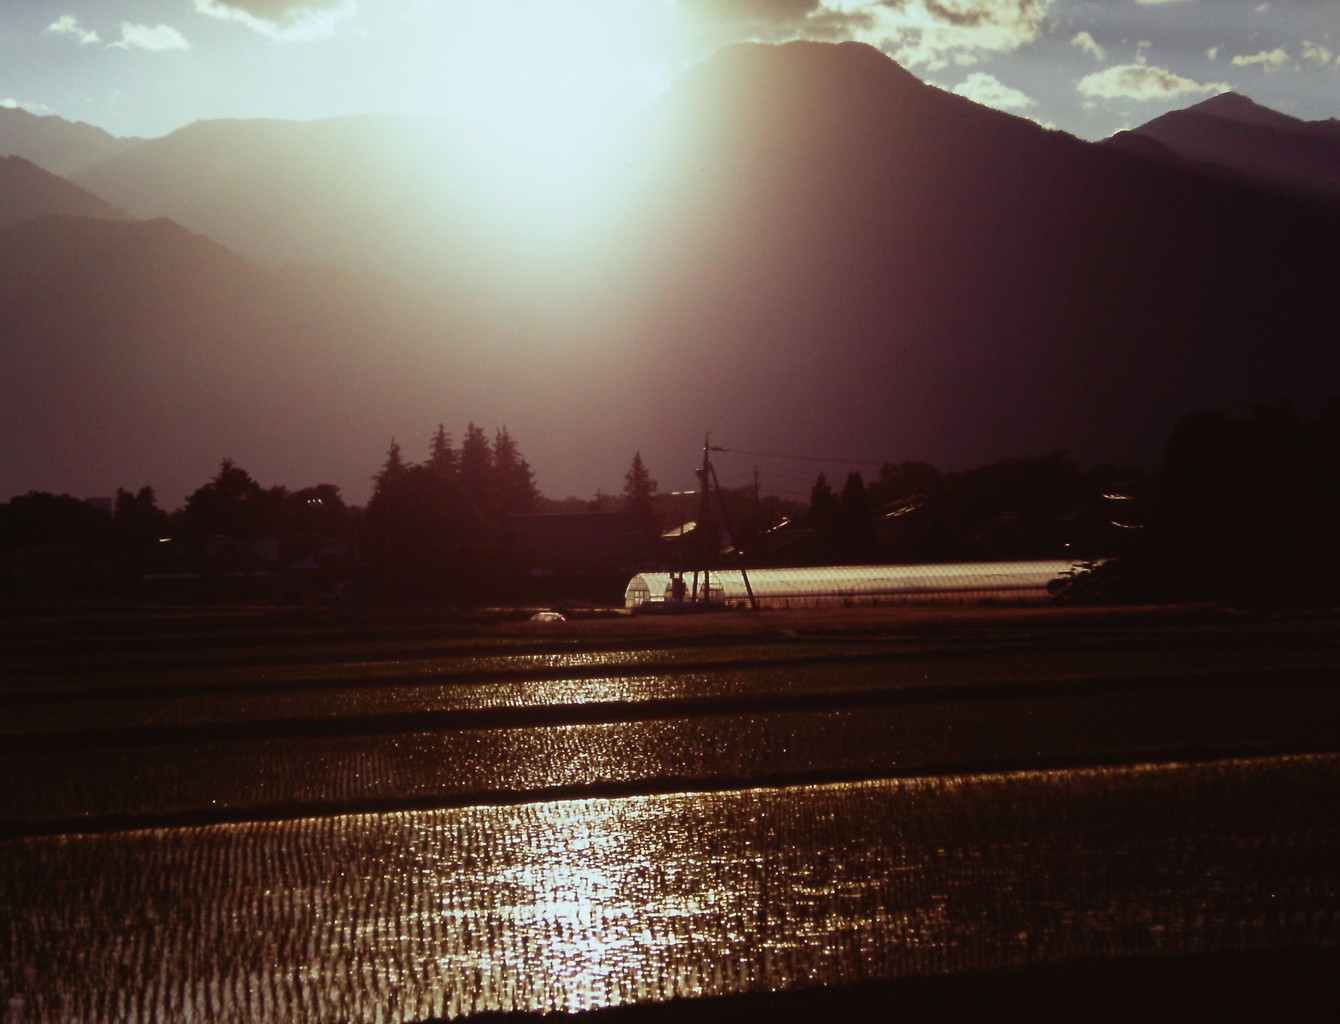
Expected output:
(577, 904)
(470, 765)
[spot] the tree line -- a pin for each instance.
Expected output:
(1240, 510)
(435, 530)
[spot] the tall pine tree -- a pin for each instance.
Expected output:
(392, 471)
(476, 468)
(514, 489)
(442, 458)
(638, 486)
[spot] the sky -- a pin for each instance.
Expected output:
(1089, 67)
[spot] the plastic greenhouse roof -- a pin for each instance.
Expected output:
(829, 583)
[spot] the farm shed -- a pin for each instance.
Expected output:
(966, 583)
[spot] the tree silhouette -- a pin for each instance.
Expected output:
(425, 541)
(1242, 508)
(513, 487)
(233, 505)
(436, 531)
(442, 457)
(855, 542)
(823, 505)
(318, 510)
(138, 516)
(393, 469)
(638, 487)
(476, 472)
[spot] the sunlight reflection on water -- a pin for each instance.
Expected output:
(577, 904)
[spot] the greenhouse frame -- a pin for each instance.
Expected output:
(846, 585)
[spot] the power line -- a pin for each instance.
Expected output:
(808, 458)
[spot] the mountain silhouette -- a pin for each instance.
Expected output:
(1231, 132)
(27, 191)
(137, 352)
(60, 146)
(814, 250)
(361, 191)
(849, 251)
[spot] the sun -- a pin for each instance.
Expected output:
(537, 90)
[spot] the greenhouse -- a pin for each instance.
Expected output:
(841, 585)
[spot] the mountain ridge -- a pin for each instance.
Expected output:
(1232, 133)
(28, 191)
(62, 147)
(816, 247)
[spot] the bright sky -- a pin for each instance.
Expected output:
(1090, 67)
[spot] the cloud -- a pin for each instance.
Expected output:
(777, 20)
(149, 37)
(1311, 54)
(927, 33)
(1089, 45)
(938, 33)
(753, 10)
(1142, 82)
(10, 103)
(282, 19)
(1318, 54)
(68, 25)
(1271, 61)
(992, 92)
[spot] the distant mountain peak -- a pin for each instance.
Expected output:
(60, 146)
(1233, 106)
(808, 64)
(1237, 135)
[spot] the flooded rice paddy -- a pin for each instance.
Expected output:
(297, 772)
(574, 904)
(190, 845)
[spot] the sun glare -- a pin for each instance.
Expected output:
(537, 91)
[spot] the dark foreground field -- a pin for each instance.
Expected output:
(242, 814)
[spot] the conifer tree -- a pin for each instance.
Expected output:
(823, 504)
(476, 468)
(638, 486)
(442, 458)
(857, 541)
(513, 481)
(393, 469)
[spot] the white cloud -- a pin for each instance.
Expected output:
(1089, 45)
(150, 37)
(1143, 83)
(1212, 53)
(1318, 54)
(997, 27)
(992, 92)
(68, 25)
(1272, 61)
(10, 103)
(287, 20)
(933, 34)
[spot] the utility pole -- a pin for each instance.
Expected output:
(707, 478)
(704, 556)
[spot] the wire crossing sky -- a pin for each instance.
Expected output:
(1089, 67)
